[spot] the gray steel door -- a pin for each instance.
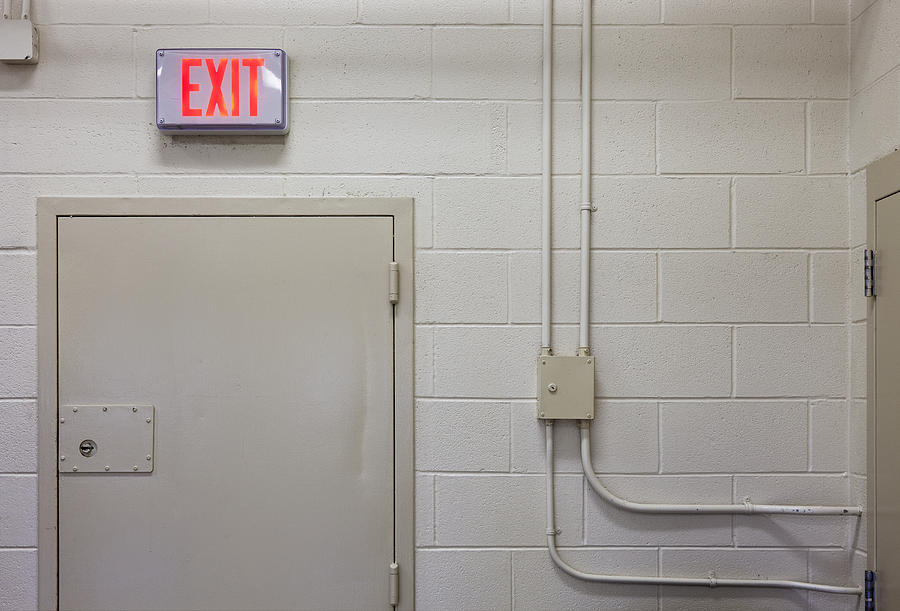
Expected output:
(886, 501)
(265, 346)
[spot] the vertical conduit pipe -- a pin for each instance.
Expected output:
(586, 206)
(546, 175)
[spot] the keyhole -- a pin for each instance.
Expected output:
(87, 447)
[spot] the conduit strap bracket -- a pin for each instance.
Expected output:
(712, 579)
(590, 207)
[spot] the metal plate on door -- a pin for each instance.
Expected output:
(106, 438)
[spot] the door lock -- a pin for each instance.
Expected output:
(88, 447)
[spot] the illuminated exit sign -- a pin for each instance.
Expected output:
(201, 91)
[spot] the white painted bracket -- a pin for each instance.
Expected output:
(106, 438)
(565, 387)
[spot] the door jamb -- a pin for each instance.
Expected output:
(882, 180)
(50, 208)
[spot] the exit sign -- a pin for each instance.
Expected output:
(201, 91)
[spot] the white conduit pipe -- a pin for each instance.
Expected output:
(742, 508)
(546, 175)
(711, 581)
(586, 206)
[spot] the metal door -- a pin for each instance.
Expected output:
(886, 502)
(264, 346)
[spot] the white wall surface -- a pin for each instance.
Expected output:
(721, 310)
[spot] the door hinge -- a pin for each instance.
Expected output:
(870, 590)
(394, 575)
(394, 282)
(869, 272)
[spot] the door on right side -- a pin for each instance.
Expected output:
(885, 419)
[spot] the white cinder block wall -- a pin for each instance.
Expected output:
(721, 313)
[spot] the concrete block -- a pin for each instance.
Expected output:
(458, 287)
(318, 12)
(623, 286)
(424, 510)
(831, 11)
(662, 361)
(356, 62)
(463, 579)
(828, 435)
(19, 570)
(858, 209)
(790, 361)
(75, 62)
(18, 194)
(623, 133)
(876, 48)
(18, 511)
(462, 436)
(539, 584)
(606, 525)
(18, 436)
(733, 437)
(514, 69)
(827, 126)
(733, 287)
(18, 362)
(791, 212)
(18, 288)
(858, 6)
(483, 212)
(433, 11)
(731, 137)
(186, 186)
(658, 212)
(858, 361)
(737, 563)
(859, 528)
(115, 11)
(736, 11)
(419, 188)
(791, 61)
(570, 12)
(663, 62)
(623, 439)
(424, 356)
(875, 121)
(829, 283)
(504, 510)
(487, 362)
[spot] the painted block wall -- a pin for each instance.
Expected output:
(874, 133)
(721, 310)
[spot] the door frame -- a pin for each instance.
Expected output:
(49, 209)
(882, 180)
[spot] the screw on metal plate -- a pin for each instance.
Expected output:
(149, 457)
(277, 53)
(134, 409)
(106, 468)
(105, 409)
(74, 409)
(62, 457)
(542, 414)
(148, 419)
(161, 53)
(87, 447)
(589, 361)
(161, 121)
(75, 468)
(62, 420)
(589, 416)
(277, 121)
(134, 468)
(551, 387)
(543, 362)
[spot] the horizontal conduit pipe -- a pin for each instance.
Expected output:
(742, 508)
(712, 581)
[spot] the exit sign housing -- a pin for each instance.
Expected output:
(222, 91)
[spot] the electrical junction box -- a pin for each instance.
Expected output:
(222, 91)
(18, 41)
(565, 387)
